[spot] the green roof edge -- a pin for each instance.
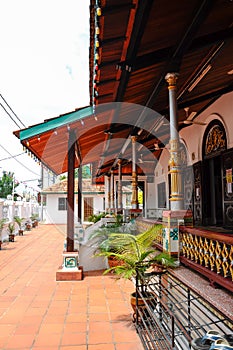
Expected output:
(55, 123)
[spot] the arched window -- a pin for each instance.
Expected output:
(214, 140)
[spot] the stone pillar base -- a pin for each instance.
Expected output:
(70, 270)
(172, 219)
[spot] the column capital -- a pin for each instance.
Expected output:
(133, 138)
(171, 79)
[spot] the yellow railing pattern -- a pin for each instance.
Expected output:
(211, 253)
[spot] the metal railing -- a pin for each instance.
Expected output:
(174, 314)
(207, 252)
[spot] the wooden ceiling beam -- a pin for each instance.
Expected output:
(213, 95)
(184, 43)
(142, 15)
(108, 41)
(117, 8)
(158, 56)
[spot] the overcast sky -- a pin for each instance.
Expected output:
(44, 69)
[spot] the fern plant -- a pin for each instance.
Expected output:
(135, 252)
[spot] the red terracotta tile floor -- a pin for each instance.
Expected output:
(37, 312)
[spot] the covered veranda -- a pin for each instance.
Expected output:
(137, 116)
(136, 110)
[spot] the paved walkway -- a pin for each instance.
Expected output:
(36, 312)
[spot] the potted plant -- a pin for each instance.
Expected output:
(28, 225)
(34, 219)
(138, 258)
(99, 239)
(2, 223)
(19, 222)
(11, 230)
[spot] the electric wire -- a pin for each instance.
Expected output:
(10, 115)
(12, 112)
(17, 155)
(33, 172)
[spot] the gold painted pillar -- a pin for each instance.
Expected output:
(112, 192)
(176, 197)
(119, 188)
(134, 201)
(109, 194)
(176, 216)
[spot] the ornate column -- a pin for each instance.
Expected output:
(112, 191)
(80, 194)
(134, 200)
(174, 162)
(177, 216)
(119, 189)
(109, 193)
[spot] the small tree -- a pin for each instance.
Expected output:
(2, 223)
(7, 183)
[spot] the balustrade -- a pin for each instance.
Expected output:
(209, 253)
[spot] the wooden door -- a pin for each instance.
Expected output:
(88, 207)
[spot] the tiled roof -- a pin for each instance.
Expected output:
(61, 187)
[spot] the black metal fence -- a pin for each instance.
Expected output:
(170, 314)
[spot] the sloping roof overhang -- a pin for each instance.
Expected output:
(97, 139)
(139, 42)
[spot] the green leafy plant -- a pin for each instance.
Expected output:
(19, 221)
(11, 227)
(34, 216)
(100, 239)
(135, 252)
(2, 223)
(96, 217)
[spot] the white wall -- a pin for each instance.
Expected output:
(98, 203)
(192, 136)
(53, 215)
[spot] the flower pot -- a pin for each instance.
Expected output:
(28, 227)
(147, 296)
(11, 237)
(20, 232)
(112, 261)
(139, 303)
(35, 223)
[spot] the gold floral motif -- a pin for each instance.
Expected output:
(201, 250)
(218, 260)
(231, 262)
(206, 252)
(196, 250)
(225, 264)
(215, 140)
(191, 239)
(212, 255)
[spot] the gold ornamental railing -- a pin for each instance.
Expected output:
(209, 253)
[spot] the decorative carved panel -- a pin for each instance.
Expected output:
(197, 194)
(227, 159)
(188, 187)
(214, 140)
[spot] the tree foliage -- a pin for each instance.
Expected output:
(7, 182)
